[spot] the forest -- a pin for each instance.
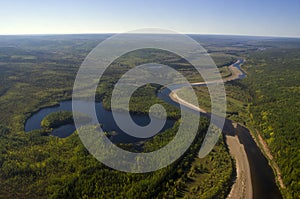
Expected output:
(274, 87)
(59, 118)
(39, 71)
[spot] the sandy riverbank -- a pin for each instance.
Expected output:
(174, 97)
(242, 187)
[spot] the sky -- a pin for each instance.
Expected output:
(230, 17)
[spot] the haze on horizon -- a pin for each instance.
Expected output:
(229, 17)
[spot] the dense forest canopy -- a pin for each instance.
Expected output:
(39, 71)
(274, 86)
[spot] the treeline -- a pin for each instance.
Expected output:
(141, 101)
(60, 118)
(57, 119)
(63, 168)
(36, 166)
(274, 85)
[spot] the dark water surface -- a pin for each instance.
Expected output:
(262, 176)
(105, 118)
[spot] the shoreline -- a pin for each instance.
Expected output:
(242, 187)
(273, 164)
(242, 183)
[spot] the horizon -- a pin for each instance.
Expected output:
(149, 99)
(232, 17)
(109, 33)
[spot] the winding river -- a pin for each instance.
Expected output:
(259, 182)
(262, 181)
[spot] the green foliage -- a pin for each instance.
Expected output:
(274, 85)
(210, 177)
(59, 118)
(39, 73)
(4, 130)
(62, 168)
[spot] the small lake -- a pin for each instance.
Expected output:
(262, 176)
(104, 116)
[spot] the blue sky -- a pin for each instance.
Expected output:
(245, 17)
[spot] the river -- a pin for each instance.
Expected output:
(262, 176)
